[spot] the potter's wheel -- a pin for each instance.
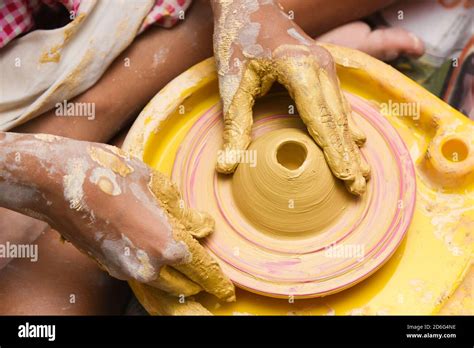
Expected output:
(331, 239)
(439, 235)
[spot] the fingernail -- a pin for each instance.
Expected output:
(416, 41)
(391, 55)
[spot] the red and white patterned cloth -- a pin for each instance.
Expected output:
(17, 16)
(165, 13)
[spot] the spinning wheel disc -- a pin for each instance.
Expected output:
(307, 258)
(410, 282)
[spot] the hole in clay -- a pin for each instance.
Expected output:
(291, 155)
(455, 150)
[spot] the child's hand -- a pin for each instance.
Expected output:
(383, 43)
(257, 45)
(124, 215)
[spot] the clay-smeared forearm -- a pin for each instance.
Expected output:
(82, 189)
(66, 183)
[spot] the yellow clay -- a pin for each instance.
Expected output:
(200, 267)
(109, 160)
(320, 104)
(436, 254)
(283, 193)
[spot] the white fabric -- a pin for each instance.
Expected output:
(85, 47)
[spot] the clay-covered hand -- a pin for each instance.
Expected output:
(256, 44)
(126, 216)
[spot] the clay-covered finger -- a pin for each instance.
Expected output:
(199, 224)
(352, 158)
(359, 138)
(174, 283)
(342, 111)
(301, 79)
(203, 269)
(357, 135)
(318, 100)
(198, 266)
(338, 57)
(358, 184)
(237, 120)
(157, 302)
